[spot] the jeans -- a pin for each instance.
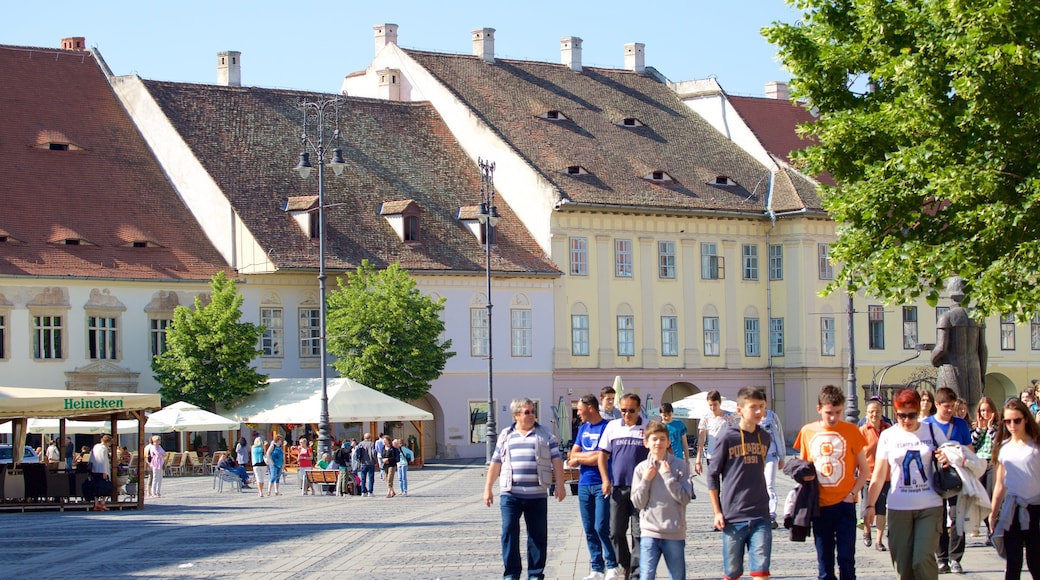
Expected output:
(595, 519)
(624, 515)
(835, 530)
(951, 544)
(757, 537)
(368, 478)
(536, 517)
(650, 552)
(402, 477)
(276, 473)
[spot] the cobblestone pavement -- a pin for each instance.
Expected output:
(441, 530)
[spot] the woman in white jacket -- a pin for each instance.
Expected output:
(1016, 491)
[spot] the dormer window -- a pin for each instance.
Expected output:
(411, 228)
(143, 244)
(50, 145)
(658, 176)
(631, 122)
(555, 115)
(405, 217)
(576, 170)
(723, 181)
(59, 147)
(304, 210)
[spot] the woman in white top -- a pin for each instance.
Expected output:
(915, 512)
(101, 470)
(1016, 490)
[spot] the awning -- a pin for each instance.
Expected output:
(299, 401)
(18, 402)
(183, 416)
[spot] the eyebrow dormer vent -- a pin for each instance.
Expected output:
(554, 115)
(576, 170)
(630, 122)
(658, 176)
(723, 180)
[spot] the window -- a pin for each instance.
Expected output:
(752, 337)
(712, 265)
(826, 270)
(669, 336)
(711, 336)
(580, 334)
(1034, 332)
(310, 332)
(909, 327)
(101, 338)
(875, 328)
(750, 255)
(271, 341)
(776, 262)
(520, 331)
(47, 338)
(3, 337)
(776, 337)
(626, 335)
(939, 311)
(157, 334)
(1007, 332)
(478, 332)
(666, 259)
(827, 336)
(487, 232)
(623, 258)
(579, 257)
(411, 228)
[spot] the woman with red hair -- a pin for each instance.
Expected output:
(904, 454)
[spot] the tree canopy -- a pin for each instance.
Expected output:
(928, 122)
(209, 352)
(385, 333)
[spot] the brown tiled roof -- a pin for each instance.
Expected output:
(248, 140)
(510, 96)
(107, 193)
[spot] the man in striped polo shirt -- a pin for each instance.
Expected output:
(622, 449)
(528, 460)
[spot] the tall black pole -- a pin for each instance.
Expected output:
(851, 402)
(487, 191)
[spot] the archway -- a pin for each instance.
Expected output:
(409, 434)
(681, 390)
(999, 388)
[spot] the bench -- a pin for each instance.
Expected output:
(322, 476)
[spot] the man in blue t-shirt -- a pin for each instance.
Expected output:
(951, 543)
(593, 505)
(622, 449)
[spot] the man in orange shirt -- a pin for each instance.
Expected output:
(837, 449)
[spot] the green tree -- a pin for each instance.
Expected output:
(385, 333)
(209, 352)
(928, 122)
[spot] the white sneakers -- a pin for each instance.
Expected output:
(616, 573)
(594, 575)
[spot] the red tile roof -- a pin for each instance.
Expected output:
(106, 189)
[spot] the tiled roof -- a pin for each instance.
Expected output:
(511, 96)
(107, 189)
(775, 123)
(248, 141)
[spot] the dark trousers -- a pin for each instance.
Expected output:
(951, 544)
(835, 532)
(1015, 539)
(535, 512)
(624, 515)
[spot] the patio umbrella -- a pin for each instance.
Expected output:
(38, 426)
(696, 406)
(183, 416)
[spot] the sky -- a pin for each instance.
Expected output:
(312, 46)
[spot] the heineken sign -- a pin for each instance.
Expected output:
(73, 404)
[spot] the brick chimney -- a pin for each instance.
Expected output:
(777, 90)
(229, 68)
(74, 43)
(385, 34)
(570, 52)
(390, 84)
(634, 57)
(484, 44)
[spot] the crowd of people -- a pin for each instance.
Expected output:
(635, 482)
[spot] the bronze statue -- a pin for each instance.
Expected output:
(960, 348)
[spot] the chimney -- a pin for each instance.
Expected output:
(570, 52)
(74, 43)
(777, 90)
(484, 44)
(634, 57)
(390, 84)
(385, 34)
(229, 68)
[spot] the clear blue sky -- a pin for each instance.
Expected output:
(311, 45)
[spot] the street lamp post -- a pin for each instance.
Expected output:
(851, 403)
(488, 217)
(318, 111)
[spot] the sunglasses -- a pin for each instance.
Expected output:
(1016, 421)
(525, 412)
(629, 410)
(907, 416)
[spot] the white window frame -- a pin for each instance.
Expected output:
(102, 336)
(1034, 332)
(309, 320)
(623, 267)
(157, 329)
(520, 332)
(49, 336)
(1007, 332)
(669, 336)
(272, 318)
(776, 337)
(626, 335)
(749, 260)
(875, 327)
(825, 268)
(910, 328)
(712, 336)
(666, 260)
(579, 334)
(579, 256)
(776, 261)
(828, 334)
(713, 266)
(4, 349)
(478, 332)
(752, 337)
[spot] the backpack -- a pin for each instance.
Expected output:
(362, 455)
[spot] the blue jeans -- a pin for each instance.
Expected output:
(835, 530)
(650, 552)
(276, 473)
(402, 477)
(536, 517)
(368, 478)
(757, 537)
(595, 518)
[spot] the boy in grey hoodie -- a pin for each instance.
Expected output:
(661, 488)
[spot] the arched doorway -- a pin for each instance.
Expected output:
(999, 388)
(410, 435)
(675, 392)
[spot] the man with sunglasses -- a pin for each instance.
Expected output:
(622, 448)
(951, 542)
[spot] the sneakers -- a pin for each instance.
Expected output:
(944, 567)
(615, 573)
(955, 567)
(594, 575)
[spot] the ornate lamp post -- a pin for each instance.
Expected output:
(317, 111)
(488, 217)
(851, 403)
